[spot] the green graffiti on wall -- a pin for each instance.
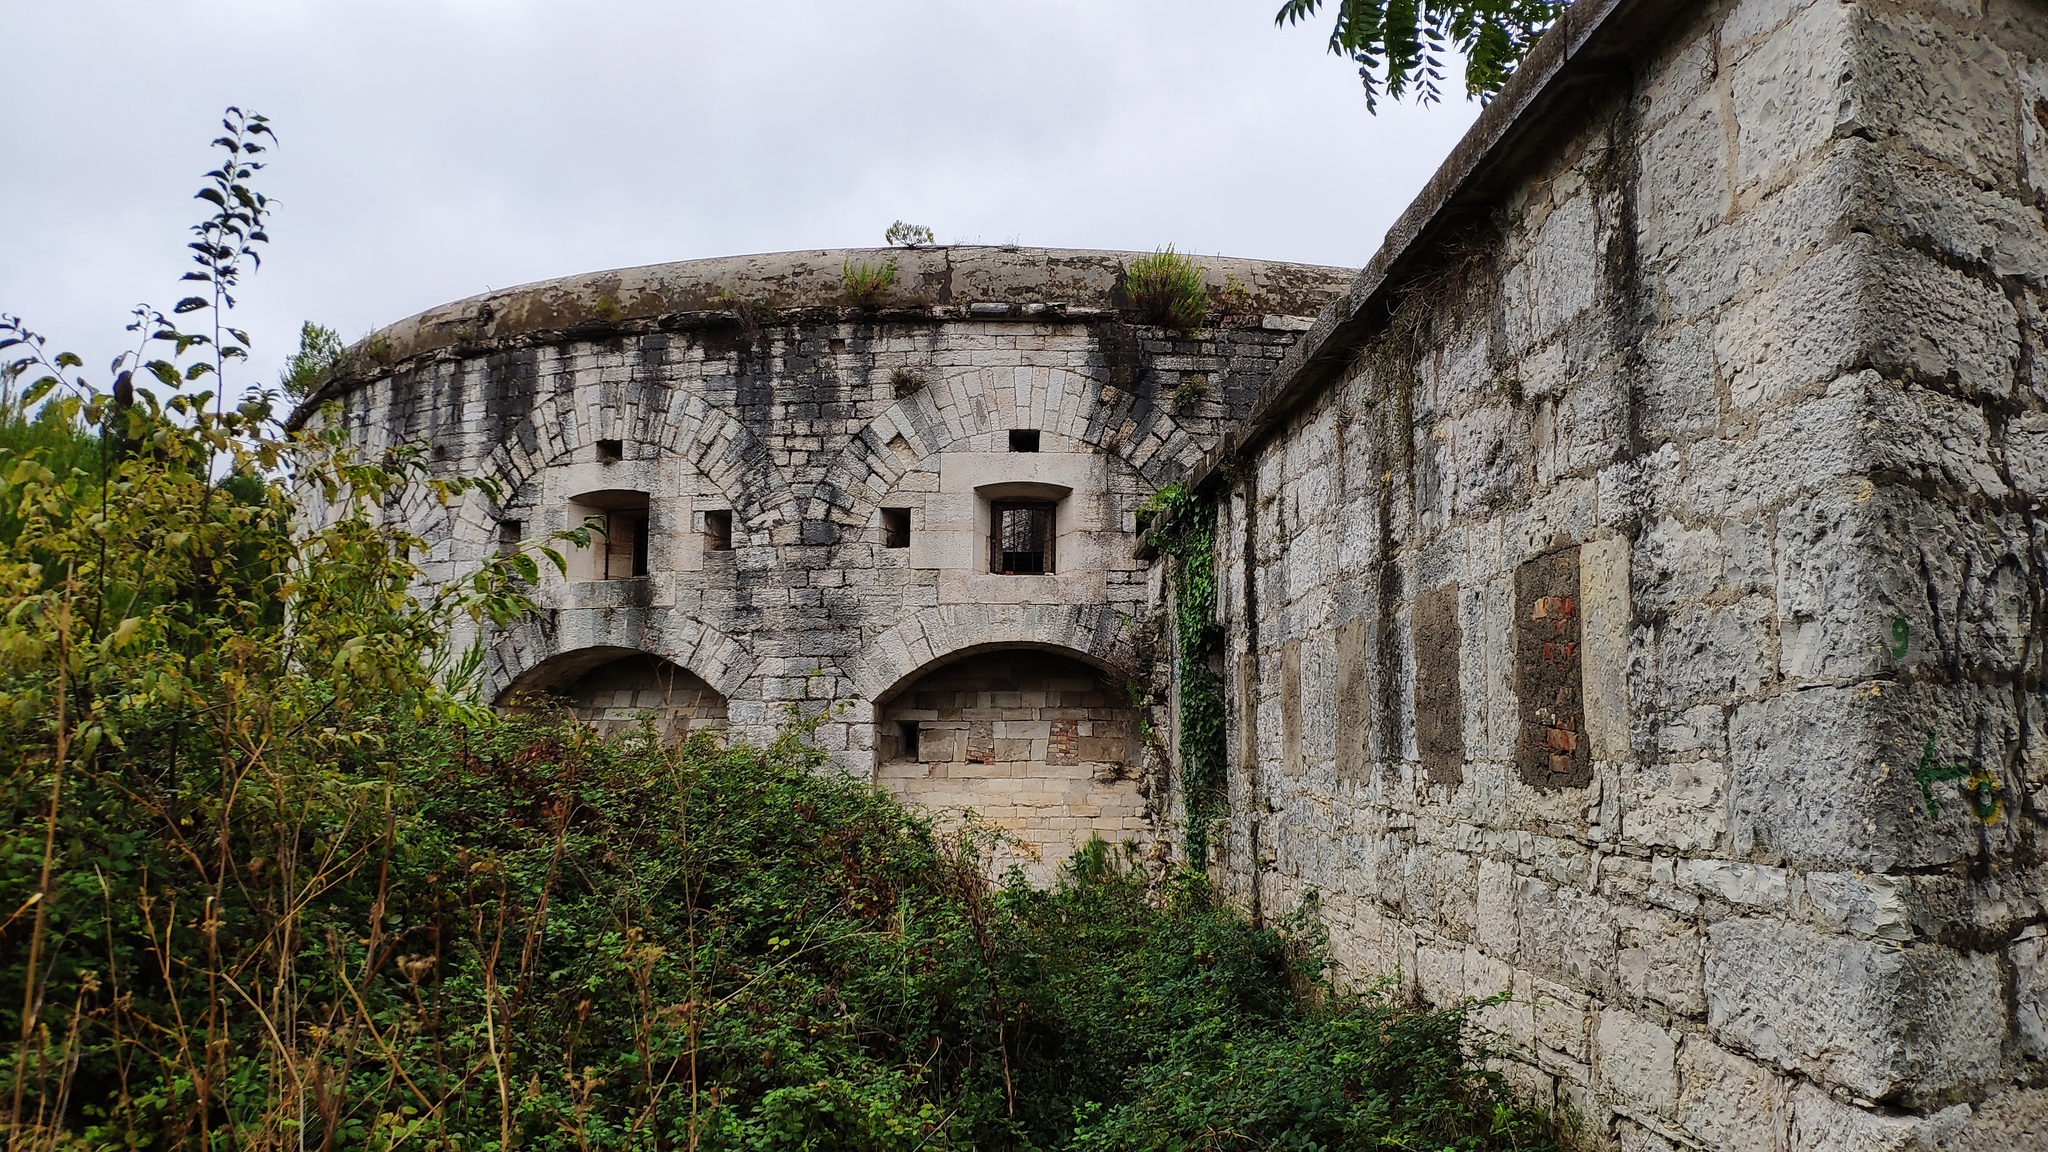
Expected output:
(1980, 786)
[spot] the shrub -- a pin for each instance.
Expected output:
(903, 235)
(1166, 289)
(906, 382)
(863, 283)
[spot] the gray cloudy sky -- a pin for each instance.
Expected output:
(432, 148)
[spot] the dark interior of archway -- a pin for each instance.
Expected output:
(621, 695)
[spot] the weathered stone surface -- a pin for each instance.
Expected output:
(1732, 1103)
(1637, 1062)
(1822, 1124)
(1882, 1021)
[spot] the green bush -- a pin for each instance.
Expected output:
(1166, 288)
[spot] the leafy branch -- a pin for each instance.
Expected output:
(1400, 46)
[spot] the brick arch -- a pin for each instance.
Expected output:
(534, 645)
(1142, 434)
(1092, 633)
(681, 422)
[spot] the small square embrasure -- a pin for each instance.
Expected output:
(718, 531)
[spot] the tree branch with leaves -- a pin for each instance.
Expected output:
(1401, 46)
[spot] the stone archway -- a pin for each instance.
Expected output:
(617, 690)
(1037, 743)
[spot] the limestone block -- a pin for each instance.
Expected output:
(1713, 652)
(1529, 1084)
(1926, 436)
(1585, 428)
(1494, 909)
(1698, 730)
(1822, 1124)
(1748, 885)
(1885, 1022)
(1871, 578)
(1563, 1021)
(1861, 301)
(1825, 775)
(1557, 277)
(1761, 239)
(1859, 904)
(1607, 619)
(1752, 20)
(2026, 453)
(1630, 1136)
(1566, 934)
(1636, 1061)
(2029, 956)
(1731, 1103)
(1675, 804)
(1675, 565)
(1439, 972)
(1946, 92)
(1488, 457)
(1677, 395)
(1658, 959)
(1914, 196)
(1672, 213)
(1790, 94)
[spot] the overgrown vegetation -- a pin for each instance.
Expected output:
(272, 879)
(1400, 45)
(863, 283)
(1186, 535)
(1166, 288)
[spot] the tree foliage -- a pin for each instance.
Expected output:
(1401, 46)
(320, 353)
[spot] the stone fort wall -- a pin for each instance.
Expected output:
(1606, 576)
(800, 492)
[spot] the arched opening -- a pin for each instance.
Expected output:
(1037, 743)
(618, 690)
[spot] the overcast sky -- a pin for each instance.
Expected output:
(433, 148)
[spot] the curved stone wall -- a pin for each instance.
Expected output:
(802, 492)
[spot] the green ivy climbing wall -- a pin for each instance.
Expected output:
(1186, 537)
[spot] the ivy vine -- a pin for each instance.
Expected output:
(1185, 535)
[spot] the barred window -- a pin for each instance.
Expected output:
(1020, 538)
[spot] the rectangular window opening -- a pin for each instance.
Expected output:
(718, 531)
(625, 545)
(1023, 439)
(896, 527)
(510, 534)
(1021, 539)
(610, 451)
(906, 738)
